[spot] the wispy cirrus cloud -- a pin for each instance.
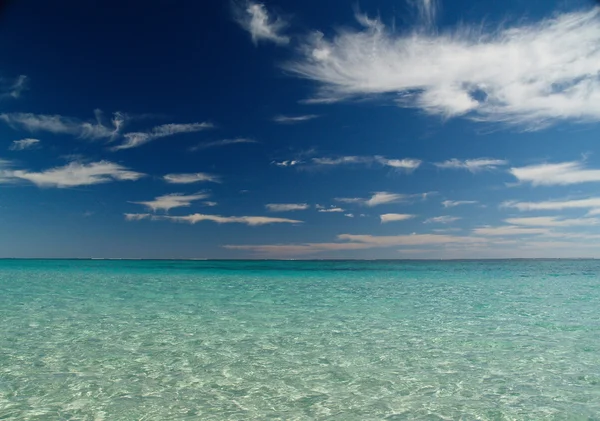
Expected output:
(137, 139)
(509, 230)
(453, 203)
(472, 165)
(565, 173)
(395, 217)
(332, 209)
(405, 164)
(198, 217)
(262, 26)
(286, 163)
(58, 124)
(287, 119)
(172, 201)
(444, 219)
(222, 142)
(378, 198)
(589, 203)
(13, 87)
(191, 178)
(286, 207)
(529, 75)
(73, 175)
(21, 145)
(553, 221)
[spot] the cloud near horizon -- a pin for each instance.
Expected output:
(198, 217)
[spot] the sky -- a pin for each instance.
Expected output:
(289, 129)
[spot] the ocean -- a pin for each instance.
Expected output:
(293, 340)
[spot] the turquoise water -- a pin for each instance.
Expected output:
(206, 340)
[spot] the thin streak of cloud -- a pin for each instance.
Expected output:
(472, 165)
(23, 144)
(191, 178)
(222, 142)
(286, 207)
(444, 219)
(74, 174)
(589, 203)
(562, 174)
(137, 139)
(172, 201)
(198, 217)
(283, 119)
(453, 203)
(395, 217)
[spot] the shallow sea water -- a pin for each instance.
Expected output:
(219, 340)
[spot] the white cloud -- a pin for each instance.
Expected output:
(286, 163)
(393, 217)
(406, 164)
(553, 221)
(286, 207)
(136, 139)
(379, 198)
(508, 230)
(21, 145)
(349, 199)
(76, 174)
(137, 216)
(283, 119)
(564, 173)
(359, 242)
(349, 215)
(590, 203)
(331, 210)
(472, 165)
(529, 74)
(13, 88)
(198, 217)
(254, 18)
(171, 201)
(58, 124)
(343, 160)
(445, 219)
(209, 203)
(453, 203)
(191, 178)
(382, 198)
(223, 142)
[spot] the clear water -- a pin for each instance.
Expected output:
(169, 340)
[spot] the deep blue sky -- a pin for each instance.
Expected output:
(406, 108)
